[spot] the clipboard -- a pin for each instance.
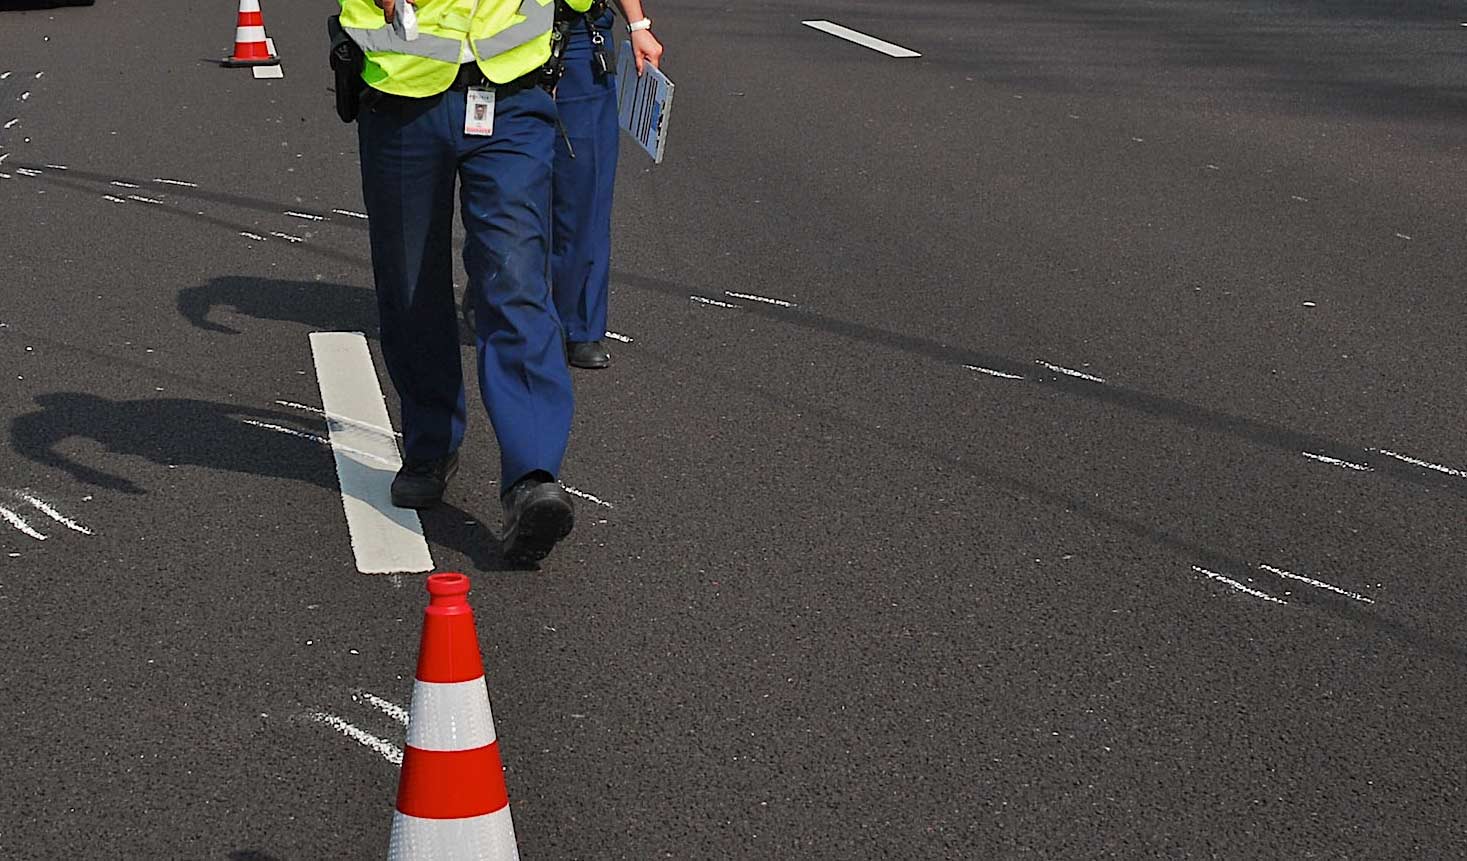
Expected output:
(643, 103)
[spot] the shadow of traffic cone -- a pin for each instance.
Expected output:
(451, 798)
(251, 47)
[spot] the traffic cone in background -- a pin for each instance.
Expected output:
(251, 47)
(451, 798)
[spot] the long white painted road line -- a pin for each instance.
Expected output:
(862, 39)
(385, 539)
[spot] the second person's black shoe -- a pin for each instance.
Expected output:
(420, 483)
(538, 512)
(592, 355)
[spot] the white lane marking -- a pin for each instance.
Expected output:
(12, 122)
(388, 432)
(19, 523)
(114, 198)
(387, 707)
(306, 215)
(121, 184)
(25, 171)
(140, 199)
(1236, 585)
(255, 236)
(861, 39)
(389, 751)
(177, 182)
(263, 72)
(58, 167)
(992, 373)
(1069, 372)
(707, 301)
(348, 212)
(622, 338)
(384, 538)
(320, 440)
(50, 511)
(286, 236)
(1318, 584)
(1422, 463)
(1334, 461)
(586, 496)
(765, 299)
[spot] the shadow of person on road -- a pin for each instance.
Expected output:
(173, 432)
(321, 305)
(32, 5)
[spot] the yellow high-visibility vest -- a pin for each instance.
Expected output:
(508, 38)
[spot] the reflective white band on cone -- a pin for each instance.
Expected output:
(249, 5)
(479, 838)
(451, 716)
(248, 35)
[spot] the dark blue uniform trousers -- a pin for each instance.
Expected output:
(413, 151)
(581, 249)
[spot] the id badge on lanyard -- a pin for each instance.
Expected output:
(479, 112)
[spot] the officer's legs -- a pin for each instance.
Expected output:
(581, 249)
(408, 163)
(506, 213)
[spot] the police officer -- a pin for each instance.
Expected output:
(459, 104)
(585, 174)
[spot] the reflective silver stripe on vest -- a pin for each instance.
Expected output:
(386, 39)
(539, 20)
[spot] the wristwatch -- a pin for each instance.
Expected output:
(644, 24)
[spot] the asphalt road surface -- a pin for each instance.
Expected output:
(1084, 478)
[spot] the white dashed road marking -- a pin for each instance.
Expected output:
(385, 539)
(865, 41)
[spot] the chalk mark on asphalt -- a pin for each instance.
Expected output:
(1230, 582)
(765, 299)
(706, 301)
(1334, 461)
(1445, 470)
(1318, 584)
(622, 338)
(387, 707)
(992, 373)
(386, 749)
(1069, 372)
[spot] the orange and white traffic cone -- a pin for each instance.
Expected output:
(451, 799)
(251, 47)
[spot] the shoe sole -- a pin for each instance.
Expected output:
(543, 524)
(591, 366)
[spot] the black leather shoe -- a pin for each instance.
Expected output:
(591, 355)
(537, 514)
(420, 484)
